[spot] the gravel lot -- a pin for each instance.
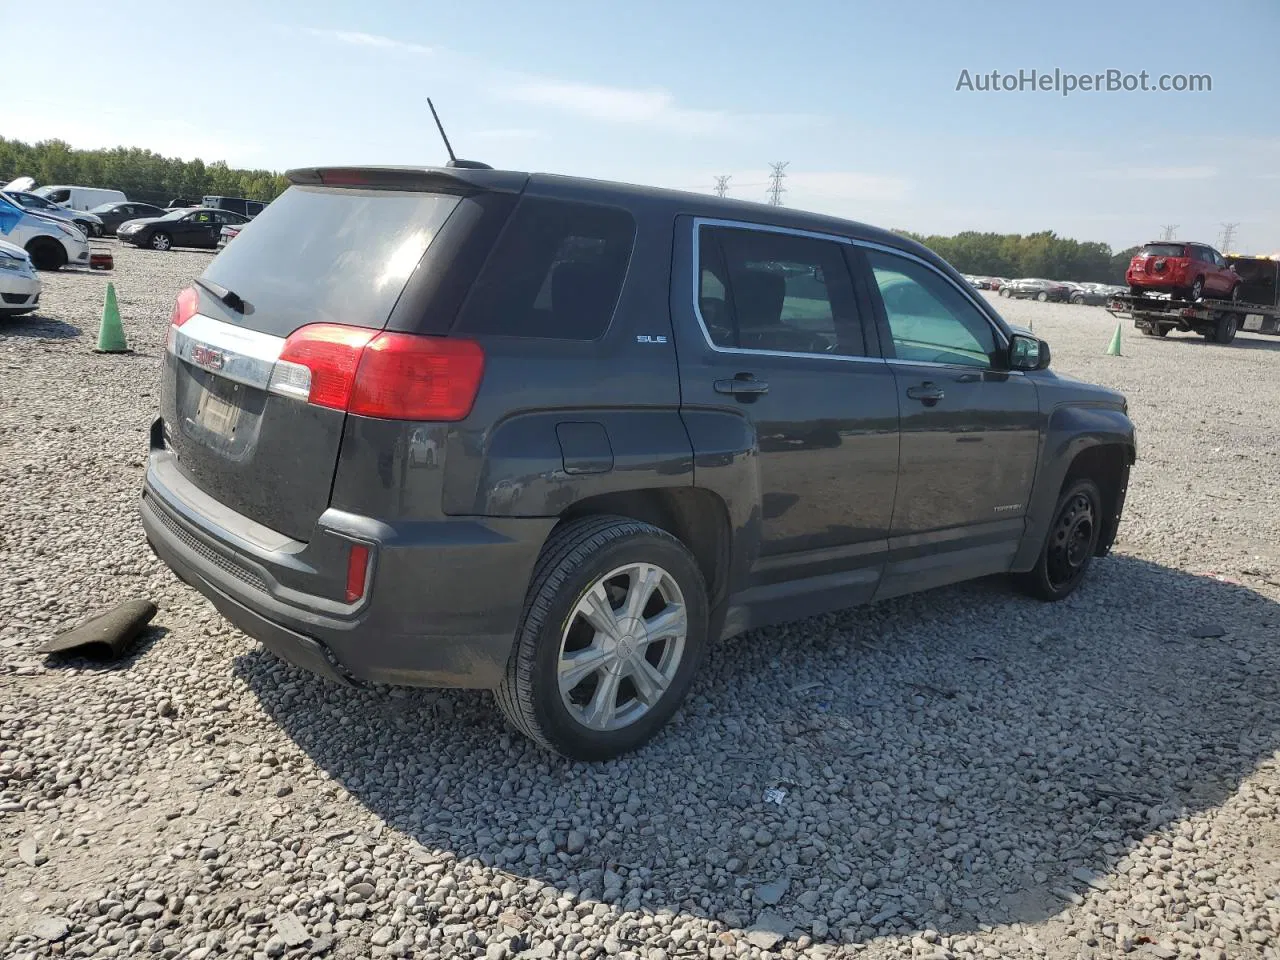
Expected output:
(966, 773)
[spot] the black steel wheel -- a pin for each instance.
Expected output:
(1070, 544)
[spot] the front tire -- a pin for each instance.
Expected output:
(1004, 292)
(1042, 296)
(161, 241)
(614, 628)
(46, 254)
(1069, 545)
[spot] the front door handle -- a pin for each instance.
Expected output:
(745, 387)
(927, 393)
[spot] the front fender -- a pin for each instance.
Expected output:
(1072, 429)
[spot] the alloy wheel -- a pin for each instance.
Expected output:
(622, 646)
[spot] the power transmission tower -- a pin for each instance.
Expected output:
(722, 185)
(1169, 231)
(777, 173)
(1228, 234)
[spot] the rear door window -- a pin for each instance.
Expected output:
(777, 293)
(556, 272)
(325, 255)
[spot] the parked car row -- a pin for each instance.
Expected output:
(1034, 288)
(98, 212)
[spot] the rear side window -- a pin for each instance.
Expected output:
(556, 272)
(777, 293)
(324, 255)
(1162, 250)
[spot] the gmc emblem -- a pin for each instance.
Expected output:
(206, 357)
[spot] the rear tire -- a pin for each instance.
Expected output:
(599, 566)
(1197, 290)
(1225, 328)
(47, 254)
(1042, 296)
(1004, 292)
(1069, 545)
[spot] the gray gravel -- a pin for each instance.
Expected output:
(965, 773)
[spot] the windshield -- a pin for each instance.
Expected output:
(103, 208)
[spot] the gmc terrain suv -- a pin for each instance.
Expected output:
(554, 437)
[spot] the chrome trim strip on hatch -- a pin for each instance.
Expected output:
(244, 356)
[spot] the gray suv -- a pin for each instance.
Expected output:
(554, 437)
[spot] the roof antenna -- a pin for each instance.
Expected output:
(453, 160)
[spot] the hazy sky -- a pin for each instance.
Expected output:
(860, 97)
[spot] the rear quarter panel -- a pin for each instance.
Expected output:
(511, 457)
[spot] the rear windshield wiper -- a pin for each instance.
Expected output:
(228, 297)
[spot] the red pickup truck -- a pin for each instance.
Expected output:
(1188, 271)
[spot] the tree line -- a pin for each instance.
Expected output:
(150, 177)
(141, 174)
(1043, 254)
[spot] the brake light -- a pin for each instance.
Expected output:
(184, 308)
(392, 376)
(357, 571)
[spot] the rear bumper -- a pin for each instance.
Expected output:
(441, 609)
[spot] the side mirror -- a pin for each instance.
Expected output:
(1028, 353)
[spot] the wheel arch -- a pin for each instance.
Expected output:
(697, 517)
(1083, 441)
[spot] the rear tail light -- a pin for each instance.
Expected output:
(184, 308)
(357, 571)
(392, 376)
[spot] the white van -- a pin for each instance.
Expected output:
(79, 198)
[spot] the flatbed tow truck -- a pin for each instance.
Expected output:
(1256, 309)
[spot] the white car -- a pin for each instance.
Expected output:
(19, 284)
(52, 244)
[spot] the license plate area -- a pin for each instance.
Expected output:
(218, 410)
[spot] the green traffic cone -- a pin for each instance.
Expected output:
(111, 333)
(1114, 349)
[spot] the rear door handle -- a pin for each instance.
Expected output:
(745, 387)
(926, 393)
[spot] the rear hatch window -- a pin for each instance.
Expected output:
(321, 255)
(316, 255)
(1162, 250)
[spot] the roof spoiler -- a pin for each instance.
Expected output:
(452, 179)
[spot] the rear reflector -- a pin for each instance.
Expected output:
(357, 570)
(392, 376)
